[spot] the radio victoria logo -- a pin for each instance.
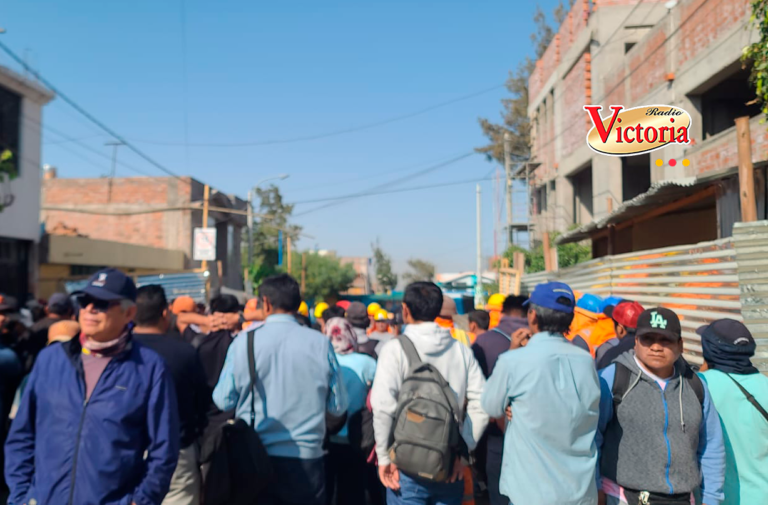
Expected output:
(639, 130)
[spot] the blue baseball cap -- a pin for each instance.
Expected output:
(553, 295)
(590, 302)
(110, 284)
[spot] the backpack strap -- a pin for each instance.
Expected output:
(252, 373)
(410, 351)
(694, 382)
(751, 399)
(620, 384)
(502, 333)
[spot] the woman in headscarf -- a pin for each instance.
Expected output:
(345, 463)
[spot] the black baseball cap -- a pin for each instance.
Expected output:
(659, 321)
(110, 284)
(357, 315)
(728, 331)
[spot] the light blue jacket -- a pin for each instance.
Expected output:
(299, 379)
(549, 446)
(357, 371)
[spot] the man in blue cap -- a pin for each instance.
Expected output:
(98, 421)
(554, 394)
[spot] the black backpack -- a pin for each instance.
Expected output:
(236, 466)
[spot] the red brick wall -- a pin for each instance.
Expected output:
(151, 229)
(572, 105)
(722, 153)
(647, 64)
(702, 21)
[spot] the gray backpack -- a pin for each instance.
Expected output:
(426, 436)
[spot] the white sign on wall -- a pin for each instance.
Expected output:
(205, 244)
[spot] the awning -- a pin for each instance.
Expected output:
(660, 193)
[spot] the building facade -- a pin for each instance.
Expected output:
(157, 213)
(21, 109)
(626, 52)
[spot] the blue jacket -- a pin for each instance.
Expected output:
(62, 449)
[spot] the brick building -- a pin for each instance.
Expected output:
(155, 212)
(626, 52)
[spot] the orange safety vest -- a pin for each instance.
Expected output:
(462, 336)
(595, 329)
(495, 316)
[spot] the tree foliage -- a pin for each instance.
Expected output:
(514, 116)
(384, 274)
(275, 214)
(421, 270)
(326, 277)
(568, 255)
(757, 53)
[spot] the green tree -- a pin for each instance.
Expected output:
(384, 274)
(514, 116)
(325, 278)
(276, 215)
(567, 255)
(757, 53)
(421, 270)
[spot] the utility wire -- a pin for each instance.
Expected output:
(390, 183)
(402, 190)
(84, 112)
(325, 135)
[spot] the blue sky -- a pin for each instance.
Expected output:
(259, 71)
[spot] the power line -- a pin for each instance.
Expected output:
(403, 190)
(325, 135)
(390, 183)
(84, 112)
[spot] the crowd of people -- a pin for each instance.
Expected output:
(117, 395)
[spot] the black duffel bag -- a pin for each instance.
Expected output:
(236, 466)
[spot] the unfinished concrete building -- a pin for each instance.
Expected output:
(628, 52)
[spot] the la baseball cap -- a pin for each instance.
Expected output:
(659, 321)
(109, 284)
(553, 295)
(625, 313)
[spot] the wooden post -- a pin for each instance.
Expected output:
(206, 194)
(609, 204)
(547, 252)
(288, 246)
(518, 262)
(746, 171)
(303, 271)
(220, 270)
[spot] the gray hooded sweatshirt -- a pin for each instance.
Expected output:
(652, 441)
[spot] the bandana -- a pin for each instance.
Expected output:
(727, 357)
(342, 335)
(105, 349)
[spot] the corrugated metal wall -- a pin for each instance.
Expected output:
(751, 241)
(186, 284)
(700, 282)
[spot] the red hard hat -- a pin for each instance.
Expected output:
(344, 304)
(626, 314)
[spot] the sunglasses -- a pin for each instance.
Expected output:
(99, 305)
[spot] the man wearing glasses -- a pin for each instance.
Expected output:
(98, 421)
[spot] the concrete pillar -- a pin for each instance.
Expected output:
(606, 183)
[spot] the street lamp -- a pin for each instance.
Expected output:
(251, 192)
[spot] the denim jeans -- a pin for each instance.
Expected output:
(415, 491)
(296, 482)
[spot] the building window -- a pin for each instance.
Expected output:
(10, 114)
(541, 199)
(723, 102)
(628, 46)
(635, 175)
(582, 196)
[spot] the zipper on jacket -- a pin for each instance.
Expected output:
(666, 440)
(80, 429)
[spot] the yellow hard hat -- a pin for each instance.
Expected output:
(373, 308)
(320, 308)
(496, 301)
(303, 309)
(381, 315)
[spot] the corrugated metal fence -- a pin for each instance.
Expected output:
(700, 282)
(752, 248)
(185, 284)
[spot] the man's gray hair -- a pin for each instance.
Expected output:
(553, 321)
